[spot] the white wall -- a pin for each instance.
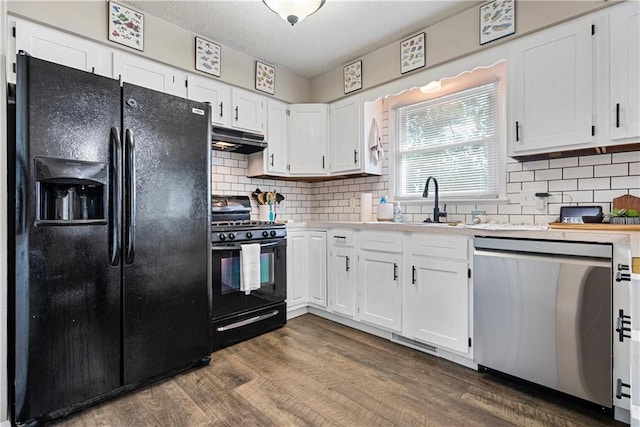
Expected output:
(447, 40)
(164, 42)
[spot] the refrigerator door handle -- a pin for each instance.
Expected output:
(115, 204)
(130, 201)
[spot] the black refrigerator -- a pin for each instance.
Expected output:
(110, 259)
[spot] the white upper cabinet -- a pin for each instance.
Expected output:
(54, 46)
(230, 107)
(624, 42)
(273, 160)
(248, 111)
(552, 90)
(345, 144)
(308, 139)
(217, 94)
(150, 74)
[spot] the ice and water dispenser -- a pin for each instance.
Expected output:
(71, 192)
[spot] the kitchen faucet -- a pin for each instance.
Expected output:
(436, 211)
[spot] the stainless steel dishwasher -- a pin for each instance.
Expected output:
(542, 312)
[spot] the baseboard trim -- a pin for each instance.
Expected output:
(444, 354)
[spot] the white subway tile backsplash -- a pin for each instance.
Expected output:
(598, 159)
(548, 174)
(509, 209)
(535, 165)
(579, 172)
(607, 196)
(594, 184)
(514, 187)
(616, 169)
(537, 186)
(631, 156)
(514, 167)
(569, 162)
(626, 182)
(578, 197)
(585, 180)
(564, 185)
(521, 176)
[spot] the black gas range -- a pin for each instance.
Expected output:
(237, 314)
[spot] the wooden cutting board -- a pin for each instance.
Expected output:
(627, 202)
(599, 227)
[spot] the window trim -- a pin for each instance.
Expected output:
(477, 77)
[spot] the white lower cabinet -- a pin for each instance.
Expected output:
(342, 278)
(379, 279)
(296, 270)
(317, 268)
(437, 291)
(306, 269)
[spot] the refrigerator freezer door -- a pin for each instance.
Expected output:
(66, 293)
(166, 229)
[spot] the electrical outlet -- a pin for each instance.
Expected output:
(528, 198)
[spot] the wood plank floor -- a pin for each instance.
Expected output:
(317, 372)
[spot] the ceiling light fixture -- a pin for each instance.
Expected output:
(294, 11)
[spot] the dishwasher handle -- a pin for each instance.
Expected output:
(594, 262)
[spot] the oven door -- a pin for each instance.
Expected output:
(227, 297)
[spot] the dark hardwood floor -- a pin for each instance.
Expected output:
(317, 372)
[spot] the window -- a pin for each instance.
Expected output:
(455, 138)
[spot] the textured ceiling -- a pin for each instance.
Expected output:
(341, 31)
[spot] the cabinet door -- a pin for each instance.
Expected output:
(277, 140)
(150, 74)
(342, 280)
(58, 47)
(346, 135)
(379, 301)
(436, 303)
(625, 72)
(296, 270)
(552, 91)
(317, 268)
(308, 139)
(248, 111)
(217, 94)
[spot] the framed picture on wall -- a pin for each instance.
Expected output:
(353, 76)
(412, 54)
(126, 26)
(497, 20)
(265, 78)
(207, 56)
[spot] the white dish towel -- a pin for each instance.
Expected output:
(249, 267)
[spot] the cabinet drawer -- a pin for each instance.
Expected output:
(380, 241)
(341, 237)
(438, 246)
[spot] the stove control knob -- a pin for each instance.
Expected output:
(273, 233)
(249, 234)
(265, 233)
(232, 236)
(222, 237)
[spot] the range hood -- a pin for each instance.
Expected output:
(236, 141)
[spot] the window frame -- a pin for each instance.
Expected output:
(478, 77)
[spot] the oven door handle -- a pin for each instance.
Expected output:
(238, 247)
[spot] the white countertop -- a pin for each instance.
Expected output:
(604, 236)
